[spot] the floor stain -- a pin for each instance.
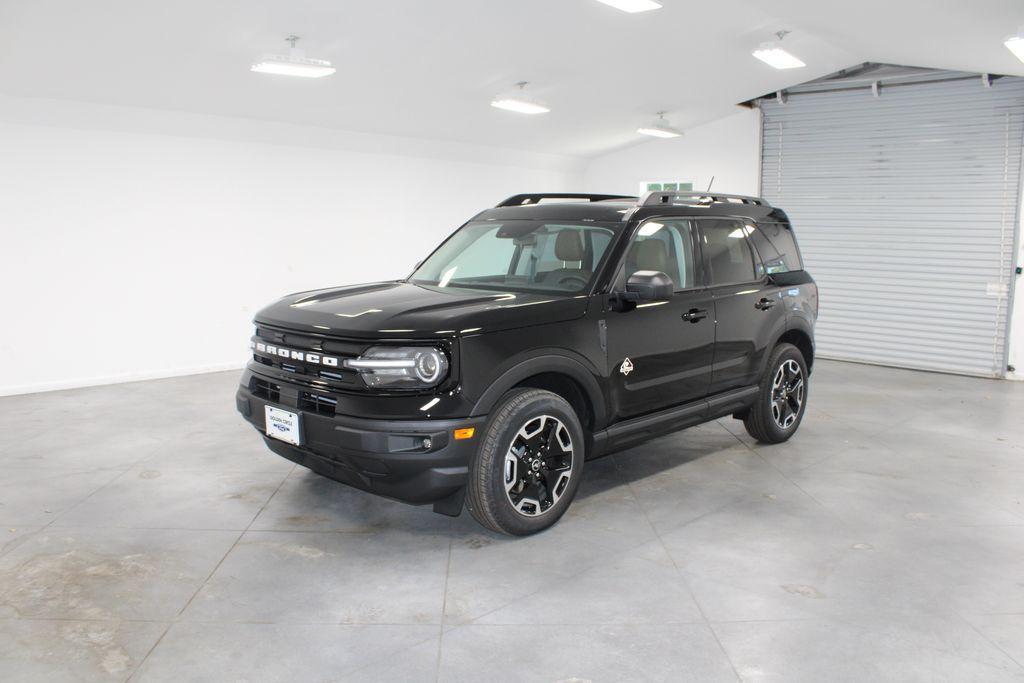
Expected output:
(804, 590)
(306, 551)
(305, 520)
(251, 494)
(100, 639)
(74, 582)
(149, 474)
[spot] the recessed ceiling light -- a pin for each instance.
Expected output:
(659, 128)
(1015, 44)
(295, 63)
(632, 6)
(519, 102)
(773, 55)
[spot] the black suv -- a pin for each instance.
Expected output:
(547, 331)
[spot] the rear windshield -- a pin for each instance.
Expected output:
(520, 255)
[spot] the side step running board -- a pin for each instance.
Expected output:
(630, 432)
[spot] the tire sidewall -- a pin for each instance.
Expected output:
(500, 433)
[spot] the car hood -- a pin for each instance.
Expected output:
(399, 310)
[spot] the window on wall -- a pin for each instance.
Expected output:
(665, 186)
(728, 251)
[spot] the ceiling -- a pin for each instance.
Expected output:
(428, 69)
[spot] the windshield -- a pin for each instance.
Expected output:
(519, 255)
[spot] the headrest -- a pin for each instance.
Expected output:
(568, 246)
(651, 255)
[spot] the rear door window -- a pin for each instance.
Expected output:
(728, 251)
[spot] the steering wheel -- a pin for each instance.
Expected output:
(570, 280)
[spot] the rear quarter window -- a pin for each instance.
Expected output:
(776, 245)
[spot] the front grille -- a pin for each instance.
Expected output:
(323, 405)
(334, 376)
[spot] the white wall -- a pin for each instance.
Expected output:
(128, 255)
(727, 149)
(139, 243)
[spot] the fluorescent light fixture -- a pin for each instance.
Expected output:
(295, 63)
(658, 132)
(771, 54)
(519, 102)
(289, 66)
(659, 128)
(1015, 44)
(519, 105)
(777, 57)
(632, 6)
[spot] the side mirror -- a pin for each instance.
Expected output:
(643, 286)
(650, 285)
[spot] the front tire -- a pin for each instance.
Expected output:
(782, 398)
(528, 465)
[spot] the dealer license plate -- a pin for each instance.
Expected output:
(283, 425)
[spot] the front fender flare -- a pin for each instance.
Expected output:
(520, 369)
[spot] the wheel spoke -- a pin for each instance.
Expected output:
(787, 393)
(538, 465)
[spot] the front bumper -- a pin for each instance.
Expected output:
(385, 457)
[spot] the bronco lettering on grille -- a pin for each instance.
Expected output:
(292, 354)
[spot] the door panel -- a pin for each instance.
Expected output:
(750, 316)
(669, 355)
(749, 309)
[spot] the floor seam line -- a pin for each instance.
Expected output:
(233, 546)
(682, 577)
(444, 609)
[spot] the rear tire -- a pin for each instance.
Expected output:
(782, 397)
(528, 465)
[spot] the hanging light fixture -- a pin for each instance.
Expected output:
(773, 55)
(519, 102)
(660, 128)
(1015, 44)
(295, 63)
(633, 6)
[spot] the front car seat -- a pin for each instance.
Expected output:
(568, 249)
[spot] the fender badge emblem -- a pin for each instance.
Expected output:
(627, 367)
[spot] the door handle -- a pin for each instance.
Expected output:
(764, 304)
(695, 315)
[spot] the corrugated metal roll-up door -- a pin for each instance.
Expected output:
(906, 208)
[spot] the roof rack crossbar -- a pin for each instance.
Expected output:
(656, 198)
(528, 199)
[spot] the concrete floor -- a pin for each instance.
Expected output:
(151, 534)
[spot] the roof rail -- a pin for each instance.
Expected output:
(656, 198)
(527, 199)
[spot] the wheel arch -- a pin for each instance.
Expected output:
(561, 375)
(802, 340)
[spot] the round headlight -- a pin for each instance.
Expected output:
(430, 365)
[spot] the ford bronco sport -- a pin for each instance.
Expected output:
(547, 331)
